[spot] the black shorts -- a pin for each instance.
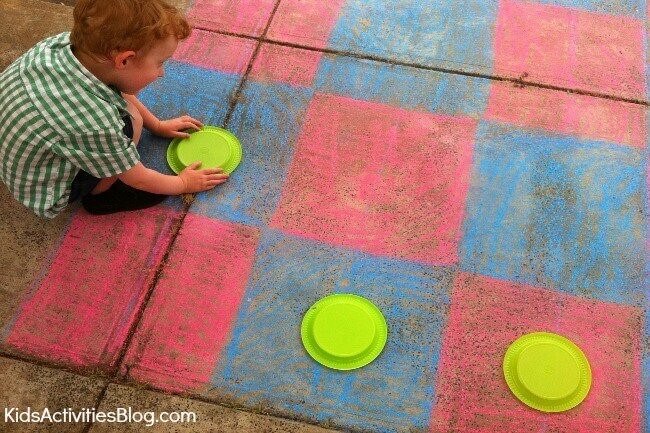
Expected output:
(84, 182)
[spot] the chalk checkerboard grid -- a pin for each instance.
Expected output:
(596, 46)
(517, 189)
(290, 272)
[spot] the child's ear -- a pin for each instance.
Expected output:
(121, 59)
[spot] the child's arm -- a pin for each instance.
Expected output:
(171, 128)
(188, 181)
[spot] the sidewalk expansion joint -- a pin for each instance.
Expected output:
(518, 82)
(240, 87)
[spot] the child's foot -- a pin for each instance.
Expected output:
(120, 197)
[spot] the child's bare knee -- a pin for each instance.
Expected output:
(104, 184)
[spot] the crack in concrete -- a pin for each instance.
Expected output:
(113, 376)
(237, 93)
(518, 82)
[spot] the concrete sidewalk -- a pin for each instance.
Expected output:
(478, 170)
(29, 242)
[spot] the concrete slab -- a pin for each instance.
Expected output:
(176, 344)
(29, 386)
(29, 21)
(558, 43)
(81, 281)
(248, 17)
(488, 314)
(469, 210)
(574, 210)
(209, 417)
(38, 279)
(590, 51)
(80, 312)
(26, 22)
(29, 243)
(337, 133)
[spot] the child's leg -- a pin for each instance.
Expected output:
(133, 131)
(104, 184)
(112, 195)
(119, 198)
(82, 185)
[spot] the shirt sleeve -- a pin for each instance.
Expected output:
(100, 153)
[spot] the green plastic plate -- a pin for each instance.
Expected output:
(213, 146)
(547, 372)
(344, 331)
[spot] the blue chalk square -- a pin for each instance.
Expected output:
(266, 362)
(558, 212)
(187, 89)
(176, 94)
(267, 122)
(403, 86)
(446, 32)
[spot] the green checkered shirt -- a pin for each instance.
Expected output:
(55, 119)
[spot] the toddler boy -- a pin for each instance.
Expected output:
(70, 120)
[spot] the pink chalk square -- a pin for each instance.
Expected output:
(216, 51)
(572, 114)
(190, 314)
(247, 17)
(571, 48)
(305, 22)
(381, 179)
(280, 64)
(82, 310)
(487, 315)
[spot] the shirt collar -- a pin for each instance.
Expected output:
(88, 80)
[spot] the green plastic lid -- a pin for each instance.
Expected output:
(547, 372)
(344, 331)
(213, 146)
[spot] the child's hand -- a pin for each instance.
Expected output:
(201, 180)
(173, 128)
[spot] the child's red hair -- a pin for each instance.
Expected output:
(104, 26)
